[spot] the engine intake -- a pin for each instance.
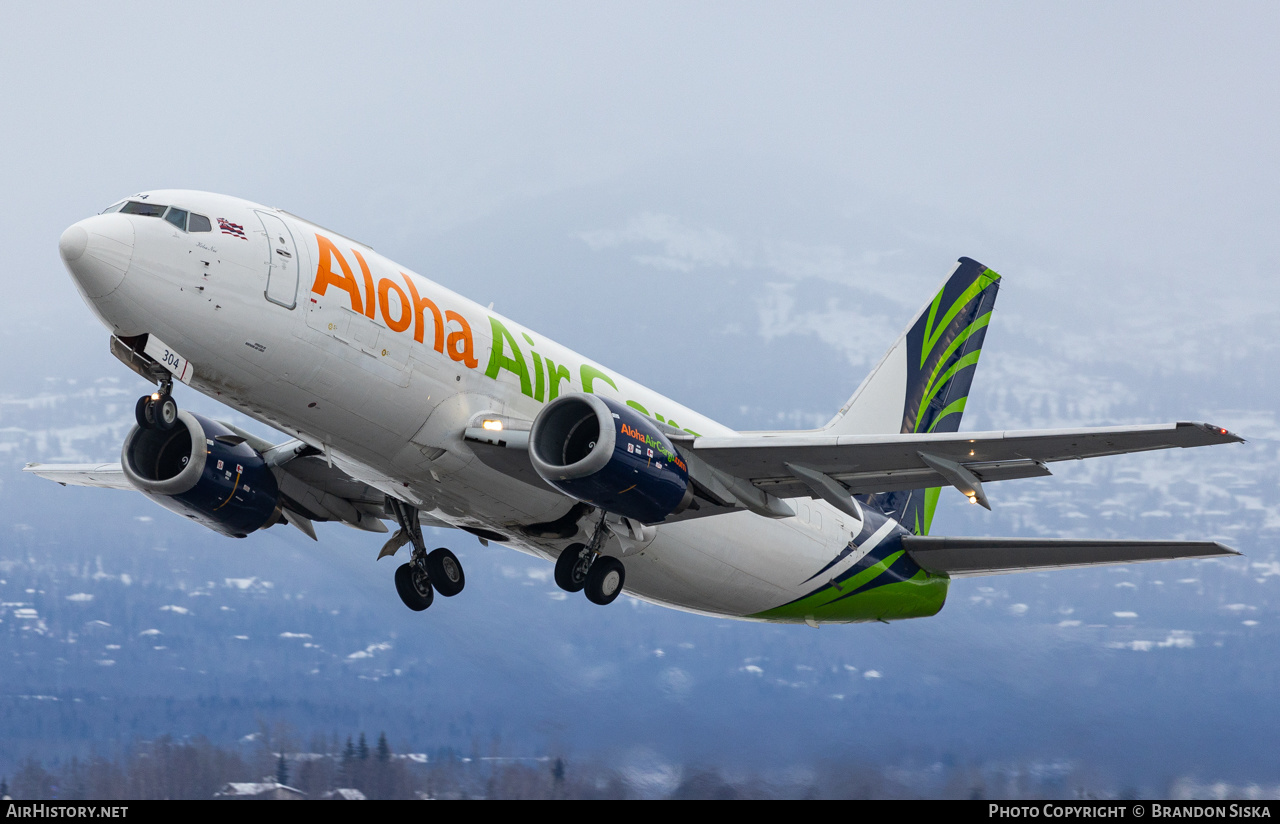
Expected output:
(600, 451)
(203, 470)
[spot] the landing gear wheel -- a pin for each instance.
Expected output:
(605, 580)
(141, 411)
(446, 572)
(414, 587)
(165, 412)
(572, 567)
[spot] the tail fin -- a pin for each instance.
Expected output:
(922, 383)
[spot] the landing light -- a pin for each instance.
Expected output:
(155, 396)
(973, 499)
(492, 426)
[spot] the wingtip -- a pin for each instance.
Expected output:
(1221, 432)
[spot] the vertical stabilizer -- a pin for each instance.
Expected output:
(922, 383)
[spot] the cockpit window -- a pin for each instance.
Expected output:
(114, 207)
(178, 217)
(181, 218)
(133, 207)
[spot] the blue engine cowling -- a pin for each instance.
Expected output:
(203, 470)
(607, 454)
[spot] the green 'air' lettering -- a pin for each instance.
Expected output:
(499, 360)
(555, 374)
(589, 376)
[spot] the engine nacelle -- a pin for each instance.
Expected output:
(203, 470)
(607, 454)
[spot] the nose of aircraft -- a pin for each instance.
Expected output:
(97, 251)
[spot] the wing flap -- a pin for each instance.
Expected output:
(893, 480)
(965, 557)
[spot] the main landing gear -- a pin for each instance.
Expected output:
(158, 410)
(581, 567)
(426, 573)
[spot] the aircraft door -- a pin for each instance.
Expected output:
(282, 276)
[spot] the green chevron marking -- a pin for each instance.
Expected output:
(919, 597)
(933, 383)
(930, 504)
(968, 332)
(931, 332)
(968, 360)
(953, 408)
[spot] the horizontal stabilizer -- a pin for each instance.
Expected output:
(964, 557)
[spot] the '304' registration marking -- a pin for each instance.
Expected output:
(164, 355)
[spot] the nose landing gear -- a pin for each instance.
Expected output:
(582, 567)
(157, 410)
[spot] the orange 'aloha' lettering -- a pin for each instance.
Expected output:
(465, 352)
(326, 277)
(406, 310)
(418, 321)
(368, 284)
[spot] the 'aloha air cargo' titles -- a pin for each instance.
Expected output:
(451, 331)
(654, 445)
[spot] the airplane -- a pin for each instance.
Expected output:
(406, 402)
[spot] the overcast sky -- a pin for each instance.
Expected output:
(1072, 146)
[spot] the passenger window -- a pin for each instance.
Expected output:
(178, 217)
(199, 223)
(133, 207)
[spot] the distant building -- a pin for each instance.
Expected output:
(267, 790)
(344, 794)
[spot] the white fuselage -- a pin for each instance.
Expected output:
(382, 369)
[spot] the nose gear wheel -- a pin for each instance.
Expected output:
(157, 410)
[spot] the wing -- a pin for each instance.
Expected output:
(311, 488)
(965, 557)
(792, 464)
(755, 470)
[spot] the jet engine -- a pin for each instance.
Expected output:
(597, 450)
(203, 470)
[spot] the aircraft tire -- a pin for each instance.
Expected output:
(140, 412)
(571, 576)
(414, 588)
(605, 580)
(446, 572)
(165, 412)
